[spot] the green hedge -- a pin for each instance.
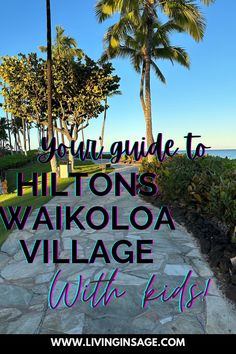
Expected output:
(17, 160)
(207, 185)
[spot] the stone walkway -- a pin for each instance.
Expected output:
(24, 287)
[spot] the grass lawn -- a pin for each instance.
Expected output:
(27, 199)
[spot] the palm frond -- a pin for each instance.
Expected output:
(174, 54)
(106, 8)
(42, 48)
(158, 72)
(208, 2)
(187, 15)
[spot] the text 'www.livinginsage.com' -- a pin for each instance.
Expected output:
(117, 342)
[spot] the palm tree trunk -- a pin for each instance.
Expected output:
(16, 145)
(24, 135)
(62, 135)
(147, 60)
(19, 141)
(39, 135)
(147, 76)
(82, 133)
(72, 161)
(49, 77)
(9, 132)
(57, 134)
(104, 122)
(141, 89)
(28, 133)
(148, 104)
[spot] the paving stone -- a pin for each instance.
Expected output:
(37, 308)
(26, 324)
(178, 269)
(134, 237)
(22, 269)
(220, 316)
(110, 325)
(67, 242)
(202, 269)
(123, 279)
(43, 278)
(4, 259)
(40, 289)
(11, 245)
(38, 299)
(12, 295)
(144, 323)
(85, 273)
(181, 324)
(190, 245)
(213, 289)
(195, 253)
(71, 233)
(67, 321)
(8, 314)
(166, 320)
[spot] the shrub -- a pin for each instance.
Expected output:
(207, 185)
(17, 160)
(129, 159)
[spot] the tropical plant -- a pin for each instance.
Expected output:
(3, 133)
(139, 17)
(63, 45)
(106, 106)
(206, 185)
(132, 46)
(79, 89)
(49, 82)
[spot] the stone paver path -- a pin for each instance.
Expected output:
(24, 287)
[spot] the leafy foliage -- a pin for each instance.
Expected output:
(17, 160)
(207, 185)
(79, 87)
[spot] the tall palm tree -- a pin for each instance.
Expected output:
(23, 120)
(64, 46)
(104, 122)
(9, 131)
(49, 83)
(3, 133)
(133, 46)
(185, 12)
(140, 16)
(106, 106)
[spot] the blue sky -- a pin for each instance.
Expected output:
(200, 100)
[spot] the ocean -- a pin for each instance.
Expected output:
(231, 154)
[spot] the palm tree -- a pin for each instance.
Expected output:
(9, 131)
(139, 18)
(185, 13)
(104, 122)
(3, 133)
(133, 46)
(23, 120)
(106, 106)
(64, 46)
(49, 83)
